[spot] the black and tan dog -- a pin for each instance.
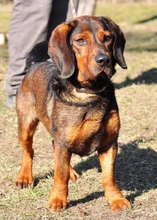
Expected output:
(74, 98)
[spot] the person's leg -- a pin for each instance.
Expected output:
(70, 14)
(61, 12)
(31, 23)
(28, 26)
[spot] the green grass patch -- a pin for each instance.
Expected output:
(5, 14)
(129, 13)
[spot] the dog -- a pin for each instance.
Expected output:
(74, 98)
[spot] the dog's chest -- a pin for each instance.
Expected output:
(84, 137)
(81, 129)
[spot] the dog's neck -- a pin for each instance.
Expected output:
(73, 93)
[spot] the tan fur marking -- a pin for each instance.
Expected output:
(113, 124)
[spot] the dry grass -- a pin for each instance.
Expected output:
(136, 92)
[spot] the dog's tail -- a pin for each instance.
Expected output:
(37, 54)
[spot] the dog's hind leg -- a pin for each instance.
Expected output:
(73, 174)
(27, 123)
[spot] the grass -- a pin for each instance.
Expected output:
(128, 13)
(136, 170)
(5, 14)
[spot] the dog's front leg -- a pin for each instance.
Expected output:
(59, 192)
(112, 193)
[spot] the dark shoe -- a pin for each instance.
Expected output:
(10, 101)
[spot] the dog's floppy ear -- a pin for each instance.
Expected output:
(60, 51)
(119, 41)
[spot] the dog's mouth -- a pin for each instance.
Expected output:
(98, 76)
(99, 82)
(97, 85)
(104, 75)
(102, 79)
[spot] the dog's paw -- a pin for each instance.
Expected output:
(121, 204)
(24, 179)
(58, 198)
(23, 182)
(56, 202)
(73, 174)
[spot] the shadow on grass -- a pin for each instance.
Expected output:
(141, 40)
(136, 171)
(147, 77)
(88, 198)
(45, 176)
(148, 19)
(90, 163)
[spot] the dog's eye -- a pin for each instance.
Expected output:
(80, 41)
(107, 38)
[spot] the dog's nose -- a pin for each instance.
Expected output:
(102, 59)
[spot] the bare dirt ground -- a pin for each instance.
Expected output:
(136, 167)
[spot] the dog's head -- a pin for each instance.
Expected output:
(88, 46)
